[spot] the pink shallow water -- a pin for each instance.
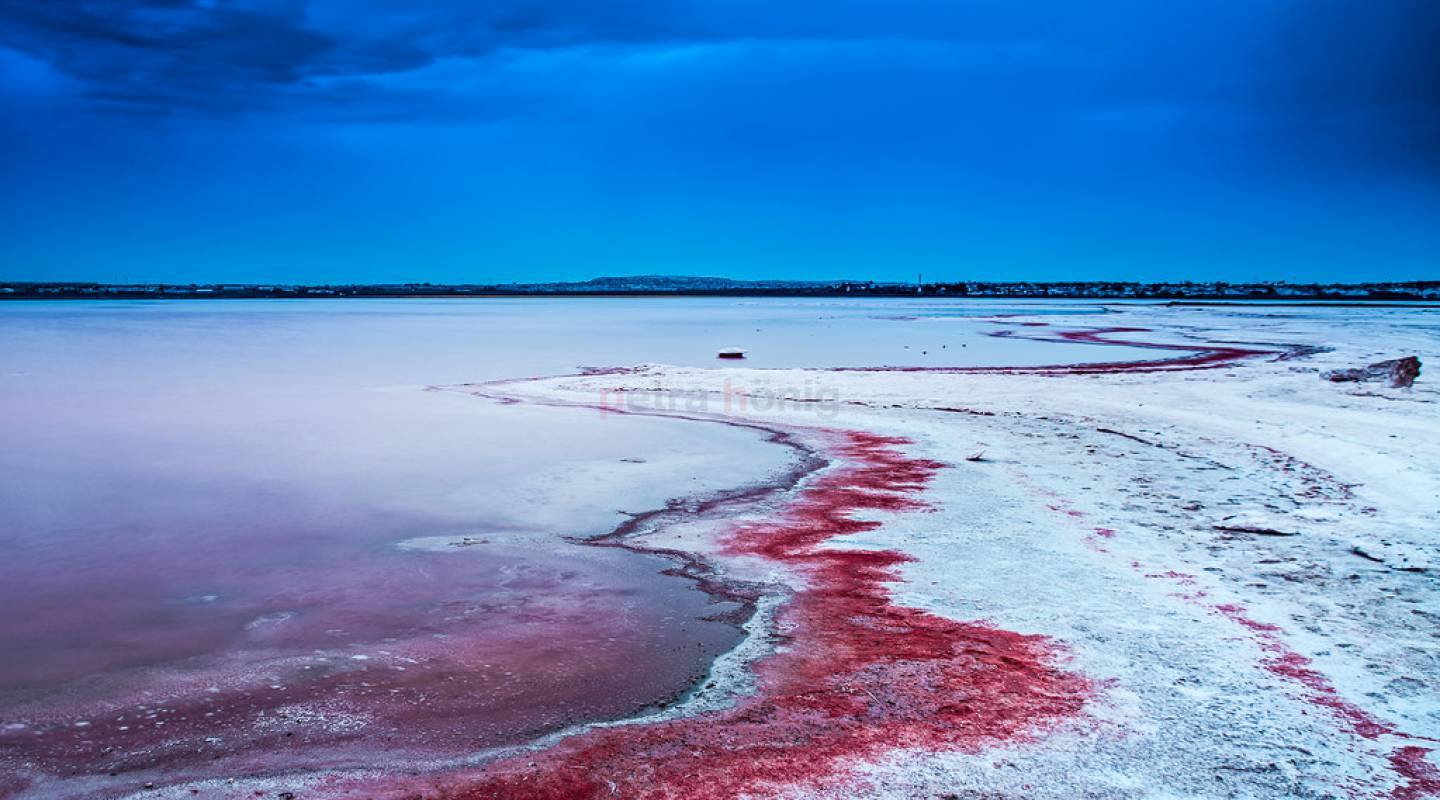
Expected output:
(206, 567)
(199, 630)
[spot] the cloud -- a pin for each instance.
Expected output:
(215, 55)
(1334, 76)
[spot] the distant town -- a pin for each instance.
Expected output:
(696, 286)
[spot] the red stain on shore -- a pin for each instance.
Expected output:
(1418, 777)
(1205, 356)
(1199, 356)
(856, 675)
(1281, 660)
(1422, 779)
(1319, 484)
(1190, 356)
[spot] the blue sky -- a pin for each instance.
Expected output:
(340, 140)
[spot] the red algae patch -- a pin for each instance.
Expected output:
(855, 675)
(1413, 776)
(1196, 356)
(1422, 779)
(1417, 777)
(1284, 662)
(1187, 356)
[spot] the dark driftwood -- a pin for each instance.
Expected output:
(1400, 372)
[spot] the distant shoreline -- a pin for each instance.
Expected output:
(1177, 293)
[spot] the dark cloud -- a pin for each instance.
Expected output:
(166, 53)
(214, 54)
(1345, 70)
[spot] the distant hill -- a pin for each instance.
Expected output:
(672, 283)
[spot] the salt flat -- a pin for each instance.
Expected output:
(1103, 519)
